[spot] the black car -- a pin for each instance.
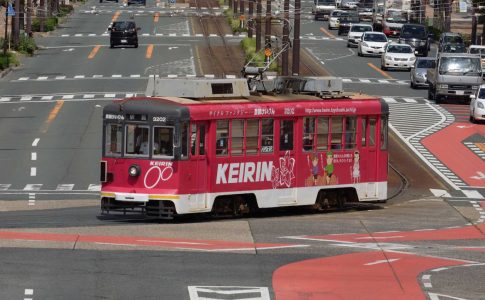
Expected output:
(346, 21)
(123, 33)
(417, 36)
(101, 1)
(140, 2)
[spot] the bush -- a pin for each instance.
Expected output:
(234, 23)
(8, 60)
(27, 45)
(49, 24)
(65, 9)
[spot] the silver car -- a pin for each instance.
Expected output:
(418, 71)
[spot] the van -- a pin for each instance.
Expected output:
(123, 33)
(478, 50)
(417, 36)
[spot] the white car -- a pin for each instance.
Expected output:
(477, 105)
(333, 20)
(355, 33)
(372, 43)
(398, 56)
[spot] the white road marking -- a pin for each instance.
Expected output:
(440, 193)
(4, 187)
(472, 194)
(32, 187)
(410, 100)
(36, 141)
(4, 99)
(116, 76)
(31, 199)
(261, 293)
(79, 77)
(26, 98)
(29, 292)
(42, 78)
(88, 96)
(65, 187)
(33, 156)
(426, 277)
(47, 98)
(379, 237)
(68, 97)
(33, 171)
(433, 296)
(427, 285)
(389, 100)
(60, 77)
(381, 261)
(109, 95)
(23, 78)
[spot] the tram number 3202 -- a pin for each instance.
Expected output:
(159, 119)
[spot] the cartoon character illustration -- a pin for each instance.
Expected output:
(329, 167)
(355, 169)
(314, 169)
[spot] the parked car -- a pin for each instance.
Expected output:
(333, 21)
(346, 21)
(450, 38)
(416, 35)
(478, 50)
(123, 33)
(372, 43)
(355, 33)
(418, 72)
(398, 56)
(477, 105)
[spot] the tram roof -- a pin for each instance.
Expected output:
(178, 107)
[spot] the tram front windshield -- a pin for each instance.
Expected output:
(139, 140)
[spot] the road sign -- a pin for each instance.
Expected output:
(267, 52)
(10, 11)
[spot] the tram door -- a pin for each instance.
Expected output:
(369, 155)
(198, 197)
(286, 185)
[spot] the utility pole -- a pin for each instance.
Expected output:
(250, 18)
(16, 25)
(235, 7)
(259, 9)
(241, 7)
(28, 28)
(5, 41)
(296, 40)
(42, 15)
(286, 38)
(267, 30)
(474, 25)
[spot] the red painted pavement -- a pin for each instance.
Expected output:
(482, 204)
(462, 233)
(447, 146)
(360, 276)
(207, 245)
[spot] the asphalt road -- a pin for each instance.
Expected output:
(54, 244)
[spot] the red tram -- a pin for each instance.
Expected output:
(166, 156)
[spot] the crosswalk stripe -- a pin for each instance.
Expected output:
(88, 96)
(440, 193)
(47, 97)
(65, 187)
(4, 187)
(26, 98)
(473, 194)
(94, 187)
(389, 100)
(5, 99)
(410, 100)
(33, 187)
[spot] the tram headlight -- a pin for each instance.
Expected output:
(134, 170)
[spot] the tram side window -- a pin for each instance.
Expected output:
(137, 140)
(383, 133)
(363, 139)
(162, 141)
(113, 139)
(237, 136)
(350, 126)
(202, 139)
(267, 136)
(308, 133)
(372, 131)
(193, 138)
(185, 141)
(322, 133)
(336, 124)
(222, 132)
(286, 135)
(252, 130)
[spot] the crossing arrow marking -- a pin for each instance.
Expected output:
(479, 177)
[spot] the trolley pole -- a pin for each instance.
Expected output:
(259, 9)
(296, 40)
(286, 38)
